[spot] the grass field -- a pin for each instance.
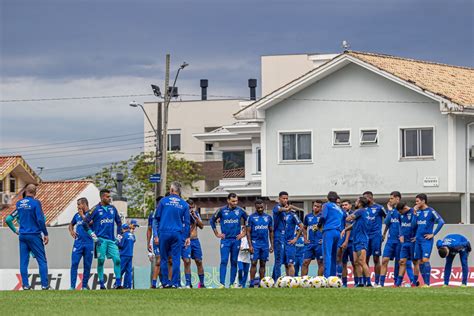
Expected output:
(387, 301)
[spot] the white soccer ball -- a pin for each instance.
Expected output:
(267, 282)
(293, 283)
(305, 281)
(334, 281)
(279, 281)
(316, 282)
(324, 282)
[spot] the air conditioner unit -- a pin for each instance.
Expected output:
(471, 153)
(6, 198)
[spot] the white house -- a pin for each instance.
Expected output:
(364, 121)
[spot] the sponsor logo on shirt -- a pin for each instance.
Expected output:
(421, 222)
(260, 227)
(406, 224)
(106, 221)
(231, 221)
(394, 220)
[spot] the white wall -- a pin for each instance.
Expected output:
(91, 192)
(352, 170)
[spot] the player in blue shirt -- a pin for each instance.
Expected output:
(376, 215)
(279, 231)
(292, 221)
(126, 243)
(331, 220)
(260, 239)
(231, 218)
(153, 249)
(171, 224)
(426, 217)
(102, 218)
(314, 243)
(33, 236)
(448, 247)
(83, 247)
(299, 256)
(359, 228)
(407, 219)
(345, 251)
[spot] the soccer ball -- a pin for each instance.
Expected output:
(305, 281)
(324, 282)
(293, 282)
(316, 282)
(334, 281)
(267, 282)
(278, 282)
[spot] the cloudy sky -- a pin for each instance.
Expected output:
(81, 48)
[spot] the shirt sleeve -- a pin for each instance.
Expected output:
(387, 220)
(40, 219)
(186, 221)
(73, 220)
(245, 216)
(118, 221)
(215, 217)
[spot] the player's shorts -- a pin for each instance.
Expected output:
(107, 249)
(313, 251)
(348, 254)
(374, 247)
(423, 249)
(358, 246)
(407, 250)
(196, 251)
(156, 250)
(260, 253)
(392, 250)
(289, 254)
(185, 251)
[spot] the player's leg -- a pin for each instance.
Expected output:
(87, 263)
(307, 257)
(409, 270)
(345, 259)
(245, 275)
(186, 257)
(240, 272)
(298, 263)
(339, 254)
(377, 249)
(76, 256)
(447, 268)
(165, 252)
(357, 269)
(396, 262)
(225, 252)
(334, 237)
(176, 246)
(37, 248)
(156, 266)
(24, 261)
(101, 249)
(365, 267)
(262, 267)
(196, 255)
(463, 256)
(290, 254)
(114, 253)
(253, 271)
(278, 254)
(234, 255)
(426, 247)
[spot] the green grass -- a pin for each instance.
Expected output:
(387, 301)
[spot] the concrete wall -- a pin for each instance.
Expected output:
(354, 169)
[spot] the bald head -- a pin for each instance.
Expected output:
(30, 190)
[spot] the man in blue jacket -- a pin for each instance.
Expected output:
(33, 236)
(170, 226)
(232, 220)
(448, 248)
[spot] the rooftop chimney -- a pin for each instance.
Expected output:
(204, 85)
(252, 86)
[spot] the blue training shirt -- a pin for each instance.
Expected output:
(260, 226)
(299, 247)
(82, 235)
(393, 223)
(31, 216)
(376, 213)
(360, 226)
(231, 221)
(425, 220)
(331, 217)
(103, 218)
(455, 243)
(278, 221)
(311, 223)
(291, 222)
(126, 244)
(172, 216)
(407, 225)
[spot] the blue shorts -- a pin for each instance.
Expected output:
(348, 254)
(358, 246)
(374, 247)
(406, 250)
(313, 251)
(289, 254)
(185, 251)
(392, 250)
(260, 253)
(156, 250)
(196, 250)
(423, 249)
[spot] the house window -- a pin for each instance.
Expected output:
(1, 185)
(369, 136)
(209, 147)
(259, 160)
(296, 146)
(417, 142)
(174, 140)
(234, 164)
(12, 184)
(342, 138)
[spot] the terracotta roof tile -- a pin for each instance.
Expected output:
(8, 163)
(54, 196)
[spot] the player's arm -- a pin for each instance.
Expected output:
(249, 237)
(187, 222)
(41, 220)
(440, 223)
(87, 222)
(243, 229)
(213, 220)
(272, 239)
(387, 223)
(118, 221)
(295, 208)
(324, 214)
(198, 220)
(10, 219)
(303, 232)
(149, 230)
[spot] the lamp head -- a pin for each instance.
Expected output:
(156, 90)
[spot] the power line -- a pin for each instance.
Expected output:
(86, 153)
(78, 98)
(77, 167)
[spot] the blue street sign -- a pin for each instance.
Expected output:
(155, 178)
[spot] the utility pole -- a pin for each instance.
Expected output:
(164, 142)
(159, 148)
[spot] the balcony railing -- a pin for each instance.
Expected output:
(213, 155)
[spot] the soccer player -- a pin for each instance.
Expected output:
(360, 242)
(195, 246)
(99, 224)
(232, 218)
(243, 262)
(292, 221)
(331, 220)
(126, 243)
(376, 215)
(259, 233)
(392, 248)
(345, 251)
(33, 236)
(171, 224)
(426, 217)
(153, 249)
(407, 242)
(314, 248)
(278, 212)
(448, 248)
(83, 247)
(299, 256)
